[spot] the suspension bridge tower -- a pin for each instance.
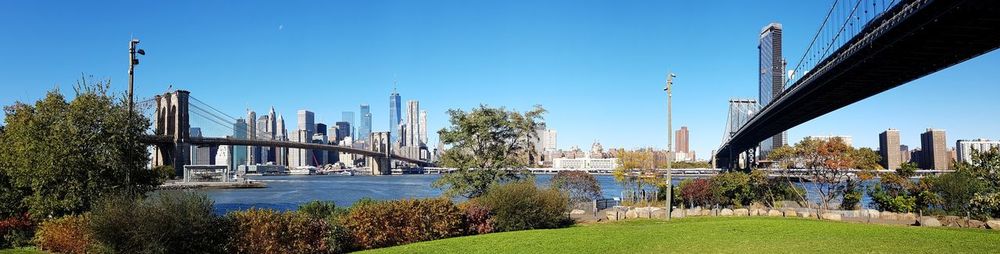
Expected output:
(171, 120)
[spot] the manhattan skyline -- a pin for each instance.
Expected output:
(591, 64)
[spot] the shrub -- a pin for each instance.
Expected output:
(69, 234)
(986, 205)
(318, 209)
(852, 195)
(165, 223)
(579, 185)
(697, 192)
(478, 218)
(269, 231)
(521, 205)
(16, 231)
(732, 189)
(164, 172)
(884, 200)
(390, 223)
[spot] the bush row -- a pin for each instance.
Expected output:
(185, 223)
(737, 190)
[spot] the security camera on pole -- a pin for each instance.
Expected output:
(132, 62)
(670, 144)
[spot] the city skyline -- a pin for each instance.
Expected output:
(567, 62)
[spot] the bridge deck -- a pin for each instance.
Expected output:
(911, 41)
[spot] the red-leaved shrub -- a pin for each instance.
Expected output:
(697, 192)
(478, 218)
(396, 222)
(69, 234)
(15, 230)
(268, 231)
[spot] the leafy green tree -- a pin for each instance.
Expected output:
(57, 156)
(487, 146)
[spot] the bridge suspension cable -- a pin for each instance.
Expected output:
(842, 22)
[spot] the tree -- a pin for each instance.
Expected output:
(635, 171)
(57, 156)
(487, 146)
(828, 164)
(579, 185)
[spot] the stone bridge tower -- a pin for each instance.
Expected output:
(381, 165)
(172, 120)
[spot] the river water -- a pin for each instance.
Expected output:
(288, 192)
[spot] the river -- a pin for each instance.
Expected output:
(288, 192)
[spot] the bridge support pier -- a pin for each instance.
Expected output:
(381, 165)
(172, 120)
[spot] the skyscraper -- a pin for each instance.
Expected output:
(251, 134)
(348, 116)
(771, 77)
(412, 123)
(263, 152)
(394, 112)
(365, 127)
(423, 127)
(343, 130)
(682, 140)
(306, 129)
(239, 156)
(934, 152)
(281, 134)
(888, 148)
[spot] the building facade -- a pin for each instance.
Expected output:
(412, 134)
(934, 150)
(681, 148)
(964, 149)
(771, 77)
(888, 148)
(394, 115)
(365, 127)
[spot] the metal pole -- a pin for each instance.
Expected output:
(670, 144)
(131, 72)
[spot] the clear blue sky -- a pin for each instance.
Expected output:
(597, 66)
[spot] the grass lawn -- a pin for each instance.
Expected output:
(21, 251)
(720, 235)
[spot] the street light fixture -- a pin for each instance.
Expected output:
(670, 144)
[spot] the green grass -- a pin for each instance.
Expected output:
(720, 235)
(21, 251)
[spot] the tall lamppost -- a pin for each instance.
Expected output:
(670, 144)
(132, 62)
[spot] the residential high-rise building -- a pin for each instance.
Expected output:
(239, 156)
(412, 123)
(365, 127)
(423, 127)
(771, 77)
(934, 150)
(550, 140)
(904, 154)
(682, 140)
(394, 115)
(965, 148)
(251, 134)
(888, 147)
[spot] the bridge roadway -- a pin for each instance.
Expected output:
(912, 40)
(163, 139)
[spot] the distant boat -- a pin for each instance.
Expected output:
(347, 172)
